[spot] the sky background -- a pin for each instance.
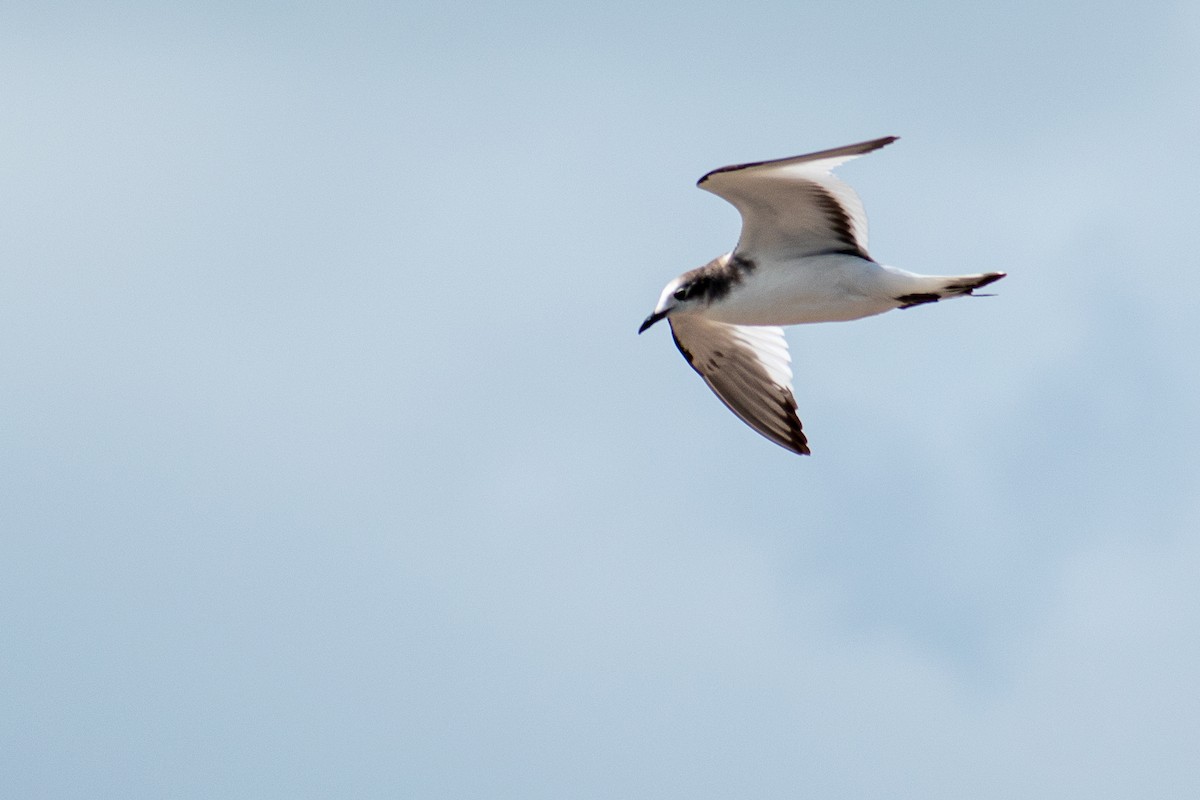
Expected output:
(331, 464)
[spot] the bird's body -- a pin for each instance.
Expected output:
(802, 258)
(825, 288)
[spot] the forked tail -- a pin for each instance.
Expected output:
(944, 288)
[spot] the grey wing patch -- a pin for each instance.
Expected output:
(739, 377)
(687, 354)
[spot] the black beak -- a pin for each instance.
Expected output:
(650, 320)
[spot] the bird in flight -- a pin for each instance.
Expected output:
(802, 257)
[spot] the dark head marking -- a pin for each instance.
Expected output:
(714, 280)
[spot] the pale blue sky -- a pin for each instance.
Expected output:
(331, 464)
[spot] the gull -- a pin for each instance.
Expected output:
(801, 258)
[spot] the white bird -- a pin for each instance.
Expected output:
(802, 257)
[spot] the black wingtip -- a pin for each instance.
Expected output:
(858, 149)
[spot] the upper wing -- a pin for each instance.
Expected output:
(794, 207)
(748, 368)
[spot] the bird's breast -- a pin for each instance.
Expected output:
(831, 288)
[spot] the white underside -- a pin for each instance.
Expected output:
(828, 288)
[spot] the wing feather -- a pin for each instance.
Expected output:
(795, 207)
(748, 368)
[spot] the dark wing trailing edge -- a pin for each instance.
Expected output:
(747, 367)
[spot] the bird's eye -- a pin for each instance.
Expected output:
(681, 293)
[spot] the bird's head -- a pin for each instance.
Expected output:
(679, 295)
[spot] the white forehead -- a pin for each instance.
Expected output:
(665, 298)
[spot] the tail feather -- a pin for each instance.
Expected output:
(944, 288)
